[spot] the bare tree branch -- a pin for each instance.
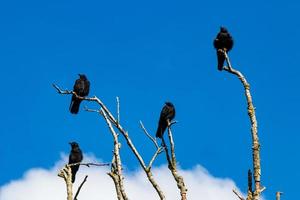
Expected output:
(148, 135)
(122, 131)
(117, 185)
(278, 195)
(90, 164)
(252, 116)
(66, 174)
(80, 186)
(140, 159)
(158, 148)
(118, 110)
(158, 151)
(135, 152)
(116, 156)
(172, 165)
(237, 194)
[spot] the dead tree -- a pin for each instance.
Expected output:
(255, 195)
(116, 168)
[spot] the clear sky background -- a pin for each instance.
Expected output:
(147, 53)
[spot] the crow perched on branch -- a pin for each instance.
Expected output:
(75, 157)
(166, 115)
(81, 88)
(223, 42)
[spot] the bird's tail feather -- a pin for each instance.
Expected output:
(160, 130)
(74, 170)
(74, 106)
(221, 59)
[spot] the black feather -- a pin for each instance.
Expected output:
(223, 42)
(167, 114)
(75, 157)
(82, 89)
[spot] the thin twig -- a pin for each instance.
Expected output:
(80, 186)
(158, 151)
(118, 110)
(237, 194)
(91, 110)
(154, 141)
(90, 164)
(148, 135)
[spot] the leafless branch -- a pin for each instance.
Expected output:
(90, 164)
(154, 141)
(80, 186)
(158, 151)
(262, 189)
(278, 195)
(118, 110)
(91, 110)
(117, 185)
(252, 116)
(172, 165)
(172, 143)
(148, 135)
(117, 157)
(122, 131)
(237, 194)
(66, 174)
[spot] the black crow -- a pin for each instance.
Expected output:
(166, 114)
(81, 88)
(223, 42)
(75, 157)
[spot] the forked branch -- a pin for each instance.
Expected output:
(66, 174)
(116, 123)
(116, 173)
(172, 164)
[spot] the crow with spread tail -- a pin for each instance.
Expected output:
(166, 115)
(75, 157)
(81, 88)
(223, 42)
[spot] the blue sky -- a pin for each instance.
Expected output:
(147, 53)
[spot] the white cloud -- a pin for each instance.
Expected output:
(44, 184)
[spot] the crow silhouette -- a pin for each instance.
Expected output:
(75, 157)
(166, 115)
(223, 42)
(81, 88)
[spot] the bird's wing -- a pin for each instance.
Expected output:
(87, 88)
(77, 86)
(164, 112)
